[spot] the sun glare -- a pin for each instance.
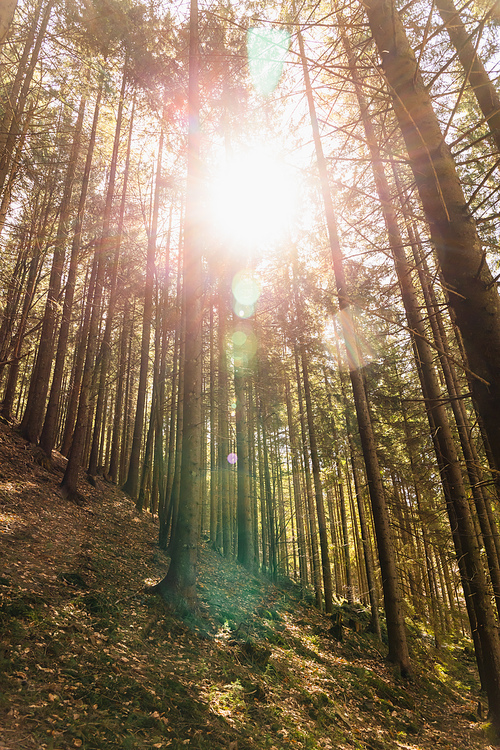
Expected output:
(253, 200)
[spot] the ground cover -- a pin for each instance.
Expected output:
(89, 660)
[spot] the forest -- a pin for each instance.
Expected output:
(250, 267)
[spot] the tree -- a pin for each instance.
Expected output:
(398, 648)
(180, 581)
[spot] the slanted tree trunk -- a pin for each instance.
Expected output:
(484, 90)
(446, 455)
(473, 294)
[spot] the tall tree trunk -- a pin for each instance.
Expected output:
(181, 577)
(77, 452)
(446, 455)
(398, 647)
(117, 420)
(131, 485)
(113, 296)
(243, 510)
(484, 90)
(318, 490)
(313, 533)
(297, 499)
(48, 436)
(223, 425)
(37, 395)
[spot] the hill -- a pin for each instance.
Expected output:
(88, 660)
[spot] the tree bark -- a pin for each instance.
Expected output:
(398, 647)
(48, 436)
(7, 10)
(484, 90)
(473, 294)
(37, 395)
(180, 580)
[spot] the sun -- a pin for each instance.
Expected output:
(252, 200)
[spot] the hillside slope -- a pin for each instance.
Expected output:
(87, 660)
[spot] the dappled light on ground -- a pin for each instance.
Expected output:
(90, 661)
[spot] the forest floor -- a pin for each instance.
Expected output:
(87, 660)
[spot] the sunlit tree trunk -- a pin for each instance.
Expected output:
(318, 490)
(35, 405)
(7, 10)
(77, 451)
(48, 436)
(105, 357)
(13, 117)
(297, 499)
(114, 466)
(398, 647)
(180, 580)
(472, 291)
(223, 422)
(483, 88)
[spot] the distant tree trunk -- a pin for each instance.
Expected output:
(10, 388)
(113, 296)
(76, 454)
(167, 502)
(223, 423)
(114, 465)
(243, 510)
(297, 499)
(214, 495)
(363, 521)
(42, 216)
(79, 359)
(131, 485)
(315, 564)
(268, 496)
(318, 490)
(13, 297)
(180, 580)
